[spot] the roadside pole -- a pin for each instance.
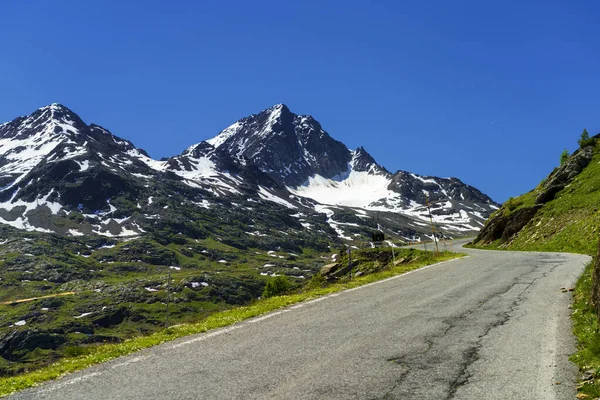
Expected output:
(350, 261)
(168, 295)
(437, 250)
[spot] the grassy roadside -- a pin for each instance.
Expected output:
(586, 328)
(99, 354)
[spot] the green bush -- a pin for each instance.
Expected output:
(564, 156)
(512, 203)
(275, 286)
(317, 281)
(75, 351)
(585, 139)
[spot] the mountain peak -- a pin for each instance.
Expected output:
(278, 115)
(290, 147)
(56, 108)
(281, 108)
(363, 161)
(57, 112)
(49, 121)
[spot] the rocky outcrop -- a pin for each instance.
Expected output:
(366, 261)
(505, 226)
(332, 272)
(27, 339)
(565, 174)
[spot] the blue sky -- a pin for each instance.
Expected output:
(489, 93)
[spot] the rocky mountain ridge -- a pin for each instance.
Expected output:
(60, 175)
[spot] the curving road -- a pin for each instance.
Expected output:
(494, 325)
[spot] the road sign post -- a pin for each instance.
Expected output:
(350, 261)
(437, 250)
(167, 302)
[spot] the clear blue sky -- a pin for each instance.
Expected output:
(490, 93)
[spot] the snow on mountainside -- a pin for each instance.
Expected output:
(43, 155)
(58, 174)
(352, 188)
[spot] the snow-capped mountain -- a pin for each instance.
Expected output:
(287, 146)
(295, 150)
(51, 160)
(58, 174)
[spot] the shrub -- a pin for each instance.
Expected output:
(585, 139)
(317, 281)
(276, 285)
(512, 203)
(564, 156)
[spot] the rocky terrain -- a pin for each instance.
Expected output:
(91, 227)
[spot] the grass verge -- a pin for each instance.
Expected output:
(96, 355)
(587, 331)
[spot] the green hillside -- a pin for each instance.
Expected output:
(570, 221)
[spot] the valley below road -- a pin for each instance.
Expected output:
(494, 325)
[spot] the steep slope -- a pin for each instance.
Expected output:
(52, 163)
(560, 214)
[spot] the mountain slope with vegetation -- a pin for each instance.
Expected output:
(562, 214)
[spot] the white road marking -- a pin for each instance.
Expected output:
(71, 381)
(206, 336)
(131, 361)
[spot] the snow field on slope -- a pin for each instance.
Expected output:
(359, 189)
(266, 195)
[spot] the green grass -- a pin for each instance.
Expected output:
(586, 328)
(102, 353)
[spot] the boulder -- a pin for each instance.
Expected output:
(335, 271)
(329, 268)
(505, 226)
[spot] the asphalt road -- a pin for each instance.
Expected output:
(494, 325)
